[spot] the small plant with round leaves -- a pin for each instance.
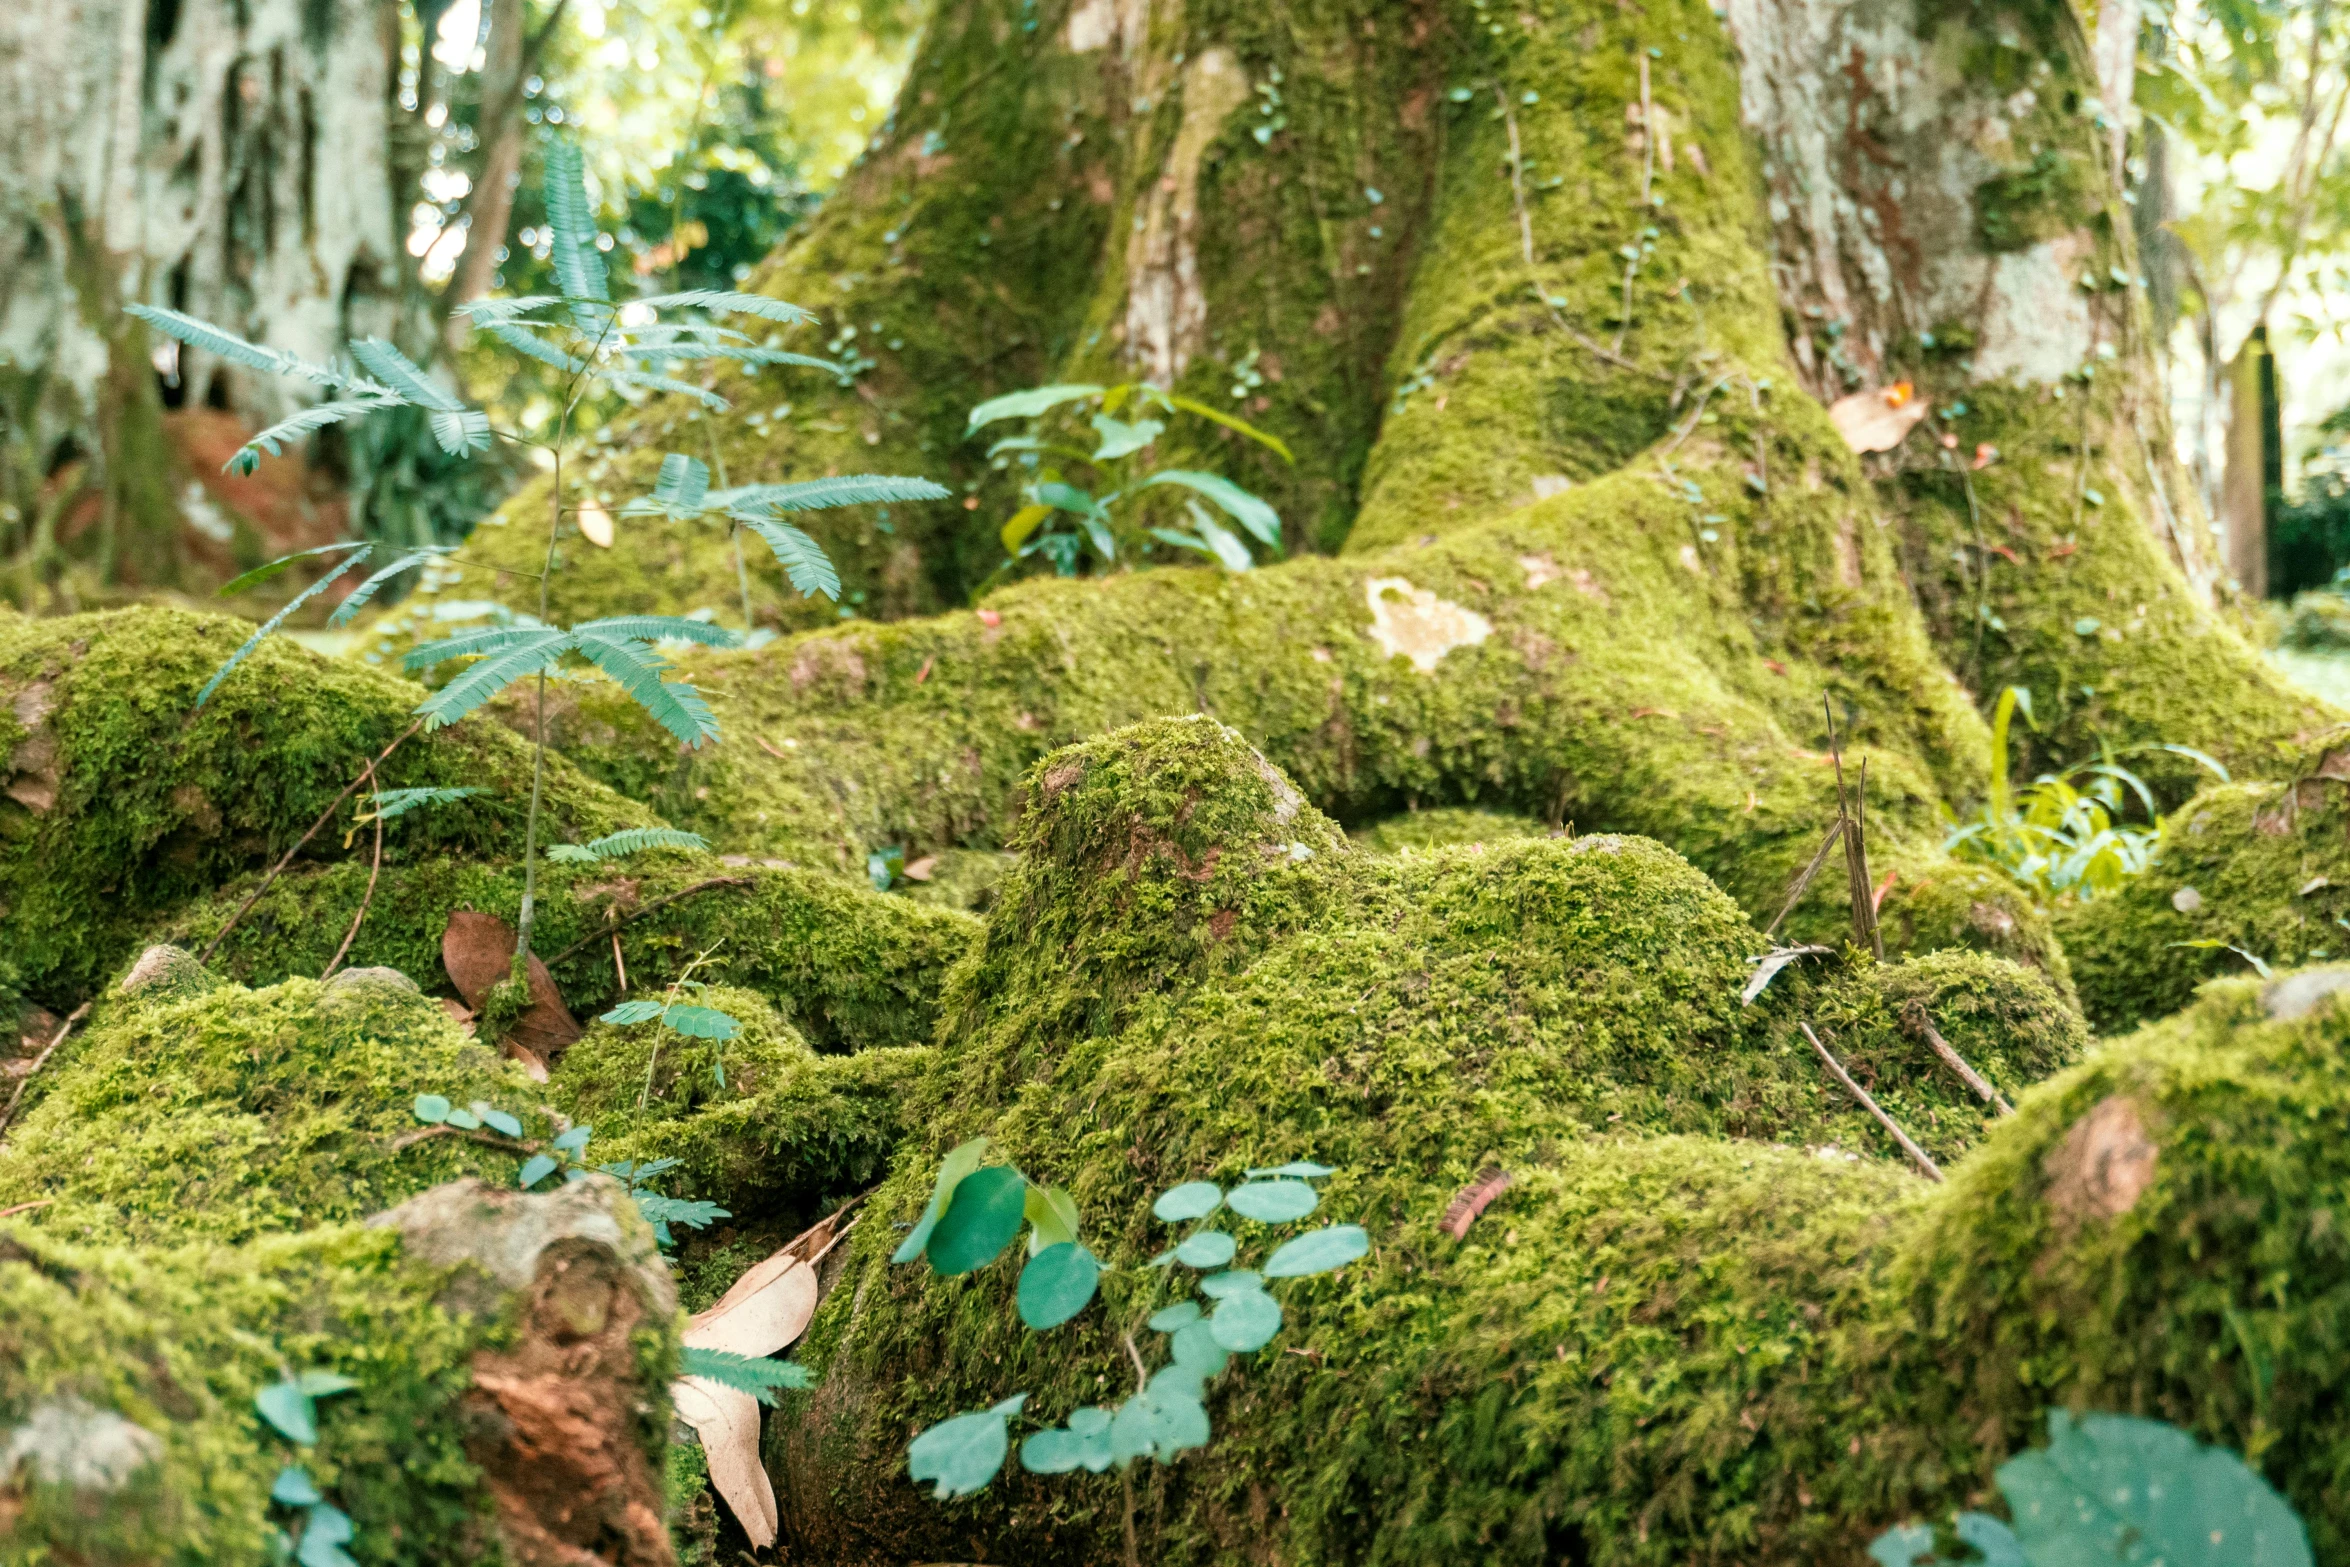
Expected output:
(290, 1405)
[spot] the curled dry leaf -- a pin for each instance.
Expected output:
(478, 951)
(1473, 1200)
(728, 1424)
(922, 869)
(1875, 420)
(766, 1310)
(595, 525)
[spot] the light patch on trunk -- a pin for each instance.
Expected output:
(1166, 309)
(1414, 623)
(1096, 24)
(2104, 1164)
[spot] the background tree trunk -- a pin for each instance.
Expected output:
(229, 160)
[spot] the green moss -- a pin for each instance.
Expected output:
(230, 1113)
(2017, 208)
(848, 968)
(122, 799)
(1443, 827)
(693, 1510)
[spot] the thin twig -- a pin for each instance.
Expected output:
(374, 870)
(9, 1114)
(1803, 880)
(1916, 1017)
(323, 818)
(26, 1207)
(1695, 414)
(657, 903)
(1142, 1376)
(1933, 1171)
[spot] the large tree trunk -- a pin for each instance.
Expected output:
(229, 160)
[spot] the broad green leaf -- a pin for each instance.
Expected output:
(1318, 1251)
(1028, 404)
(1246, 1320)
(1057, 1283)
(1161, 1421)
(1069, 498)
(1992, 1540)
(1903, 1544)
(1238, 504)
(536, 1169)
(294, 1487)
(883, 866)
(324, 1384)
(1207, 1249)
(432, 1108)
(701, 1022)
(1120, 439)
(397, 371)
(325, 1531)
(961, 1455)
(1191, 1200)
(980, 1221)
(574, 1140)
(1228, 421)
(262, 573)
(1218, 1285)
(1022, 523)
(285, 1406)
(1273, 1202)
(1052, 1217)
(1180, 1315)
(2121, 1489)
(1084, 1445)
(499, 1121)
(464, 1120)
(1301, 1168)
(1194, 1347)
(952, 1170)
(271, 624)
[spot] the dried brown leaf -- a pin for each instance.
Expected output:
(478, 952)
(1877, 419)
(728, 1424)
(1473, 1200)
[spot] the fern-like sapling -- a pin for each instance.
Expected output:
(591, 340)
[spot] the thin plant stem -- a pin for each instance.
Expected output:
(9, 1114)
(1836, 1069)
(374, 870)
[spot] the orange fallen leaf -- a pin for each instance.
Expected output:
(923, 673)
(1985, 455)
(990, 619)
(595, 525)
(769, 747)
(1774, 666)
(2060, 551)
(766, 1310)
(1877, 898)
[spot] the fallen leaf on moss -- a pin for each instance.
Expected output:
(1876, 420)
(478, 952)
(728, 1424)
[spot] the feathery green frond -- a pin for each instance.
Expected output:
(700, 1022)
(673, 705)
(213, 340)
(466, 644)
(682, 484)
(661, 383)
(402, 375)
(460, 431)
(579, 265)
(803, 559)
(524, 341)
(357, 600)
(262, 573)
(391, 804)
(658, 628)
(739, 304)
(759, 1378)
(748, 501)
(273, 622)
(294, 426)
(633, 840)
(482, 311)
(491, 676)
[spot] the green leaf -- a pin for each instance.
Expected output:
(307, 421)
(325, 1531)
(1191, 1200)
(630, 1012)
(492, 675)
(2121, 1489)
(573, 1141)
(227, 345)
(262, 573)
(1301, 1168)
(397, 371)
(701, 1022)
(1273, 1202)
(1052, 1217)
(480, 311)
(1903, 1544)
(536, 1169)
(1246, 1320)
(432, 1108)
(1084, 1445)
(470, 644)
(645, 382)
(568, 854)
(673, 705)
(1021, 524)
(1992, 1540)
(1120, 439)
(500, 1122)
(1207, 1249)
(636, 840)
(1178, 1316)
(322, 1384)
(748, 502)
(294, 1487)
(524, 341)
(684, 481)
(1028, 404)
(657, 628)
(579, 265)
(1057, 1283)
(285, 1406)
(392, 804)
(460, 431)
(358, 596)
(1228, 421)
(1236, 503)
(882, 867)
(803, 559)
(1161, 1421)
(272, 623)
(952, 1171)
(726, 299)
(1318, 1251)
(980, 1221)
(464, 1120)
(1218, 1285)
(1069, 498)
(964, 1453)
(756, 1375)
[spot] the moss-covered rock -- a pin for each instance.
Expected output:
(225, 1113)
(121, 798)
(1631, 1350)
(848, 968)
(1443, 827)
(127, 1409)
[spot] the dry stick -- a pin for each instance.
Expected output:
(374, 870)
(323, 818)
(1933, 1171)
(1647, 202)
(1864, 889)
(1803, 880)
(658, 903)
(25, 1207)
(1856, 863)
(1919, 1019)
(39, 1061)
